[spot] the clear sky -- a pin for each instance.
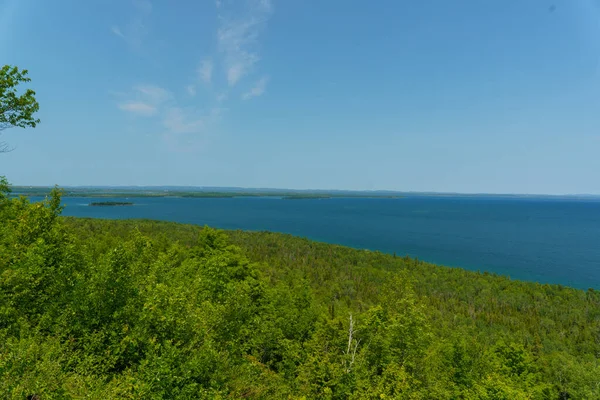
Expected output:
(460, 96)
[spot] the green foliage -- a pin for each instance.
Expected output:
(143, 309)
(16, 110)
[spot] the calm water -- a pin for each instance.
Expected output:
(554, 241)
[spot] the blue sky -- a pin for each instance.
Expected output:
(460, 96)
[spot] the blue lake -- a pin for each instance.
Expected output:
(544, 240)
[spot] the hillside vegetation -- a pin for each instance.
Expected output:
(102, 309)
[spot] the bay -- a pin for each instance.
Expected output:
(536, 239)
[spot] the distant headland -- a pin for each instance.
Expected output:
(110, 203)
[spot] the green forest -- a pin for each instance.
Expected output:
(98, 309)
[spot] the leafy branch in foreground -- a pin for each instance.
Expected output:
(16, 110)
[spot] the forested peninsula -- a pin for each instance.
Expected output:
(110, 203)
(141, 309)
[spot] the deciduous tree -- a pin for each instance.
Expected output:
(16, 110)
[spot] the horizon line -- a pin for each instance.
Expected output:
(309, 190)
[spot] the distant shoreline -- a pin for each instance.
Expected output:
(159, 192)
(214, 195)
(110, 203)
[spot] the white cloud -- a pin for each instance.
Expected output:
(236, 60)
(187, 129)
(135, 31)
(144, 6)
(241, 23)
(237, 40)
(176, 122)
(238, 70)
(205, 70)
(258, 89)
(115, 29)
(265, 5)
(139, 108)
(145, 100)
(179, 120)
(153, 94)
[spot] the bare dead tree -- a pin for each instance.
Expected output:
(350, 352)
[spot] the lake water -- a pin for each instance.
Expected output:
(544, 240)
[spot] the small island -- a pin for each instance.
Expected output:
(110, 203)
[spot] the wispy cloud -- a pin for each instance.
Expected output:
(144, 6)
(189, 129)
(205, 70)
(152, 93)
(145, 100)
(184, 128)
(134, 31)
(238, 39)
(258, 89)
(177, 121)
(181, 120)
(216, 78)
(115, 29)
(139, 108)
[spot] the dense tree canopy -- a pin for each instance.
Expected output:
(16, 110)
(152, 310)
